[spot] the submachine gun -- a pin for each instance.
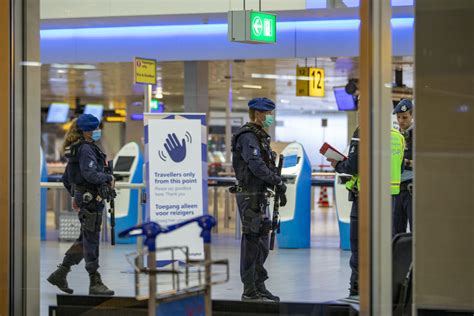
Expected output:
(108, 193)
(276, 207)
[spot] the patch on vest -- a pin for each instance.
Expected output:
(255, 152)
(91, 164)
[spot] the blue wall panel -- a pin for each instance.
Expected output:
(209, 42)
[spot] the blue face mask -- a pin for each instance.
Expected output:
(96, 134)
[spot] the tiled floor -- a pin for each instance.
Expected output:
(298, 275)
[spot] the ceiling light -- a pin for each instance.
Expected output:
(31, 63)
(85, 67)
(241, 98)
(284, 101)
(66, 66)
(278, 77)
(59, 66)
(251, 86)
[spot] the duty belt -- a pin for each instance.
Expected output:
(88, 195)
(241, 189)
(407, 186)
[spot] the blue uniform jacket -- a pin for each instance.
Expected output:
(92, 164)
(351, 164)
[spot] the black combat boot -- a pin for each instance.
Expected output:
(262, 290)
(58, 278)
(96, 286)
(251, 294)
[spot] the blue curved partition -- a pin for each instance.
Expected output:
(343, 210)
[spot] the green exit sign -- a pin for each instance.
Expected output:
(251, 27)
(262, 27)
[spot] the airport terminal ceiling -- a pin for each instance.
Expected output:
(111, 84)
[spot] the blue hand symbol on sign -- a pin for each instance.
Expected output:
(175, 149)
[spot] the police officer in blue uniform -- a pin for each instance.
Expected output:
(88, 183)
(402, 208)
(351, 166)
(254, 165)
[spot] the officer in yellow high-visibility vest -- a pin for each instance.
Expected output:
(350, 166)
(402, 206)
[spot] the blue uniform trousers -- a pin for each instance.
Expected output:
(402, 210)
(86, 245)
(255, 246)
(354, 239)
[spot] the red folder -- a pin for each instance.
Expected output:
(330, 152)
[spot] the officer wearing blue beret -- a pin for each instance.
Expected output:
(402, 206)
(89, 185)
(255, 168)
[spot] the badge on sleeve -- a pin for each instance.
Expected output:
(91, 164)
(255, 152)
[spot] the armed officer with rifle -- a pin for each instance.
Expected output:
(90, 182)
(256, 172)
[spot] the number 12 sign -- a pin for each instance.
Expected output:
(316, 82)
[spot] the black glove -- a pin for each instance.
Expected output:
(281, 188)
(106, 192)
(283, 200)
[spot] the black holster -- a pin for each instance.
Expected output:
(88, 220)
(253, 217)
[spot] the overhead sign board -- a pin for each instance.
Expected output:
(302, 83)
(316, 82)
(144, 70)
(251, 27)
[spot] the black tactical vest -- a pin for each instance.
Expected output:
(73, 169)
(242, 172)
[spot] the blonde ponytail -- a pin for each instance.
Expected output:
(72, 135)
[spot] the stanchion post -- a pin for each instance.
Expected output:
(226, 209)
(216, 215)
(139, 238)
(207, 260)
(152, 283)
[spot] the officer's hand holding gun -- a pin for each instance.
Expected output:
(281, 191)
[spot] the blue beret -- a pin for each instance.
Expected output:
(403, 106)
(262, 104)
(87, 122)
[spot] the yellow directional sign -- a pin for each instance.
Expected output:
(302, 84)
(144, 70)
(316, 82)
